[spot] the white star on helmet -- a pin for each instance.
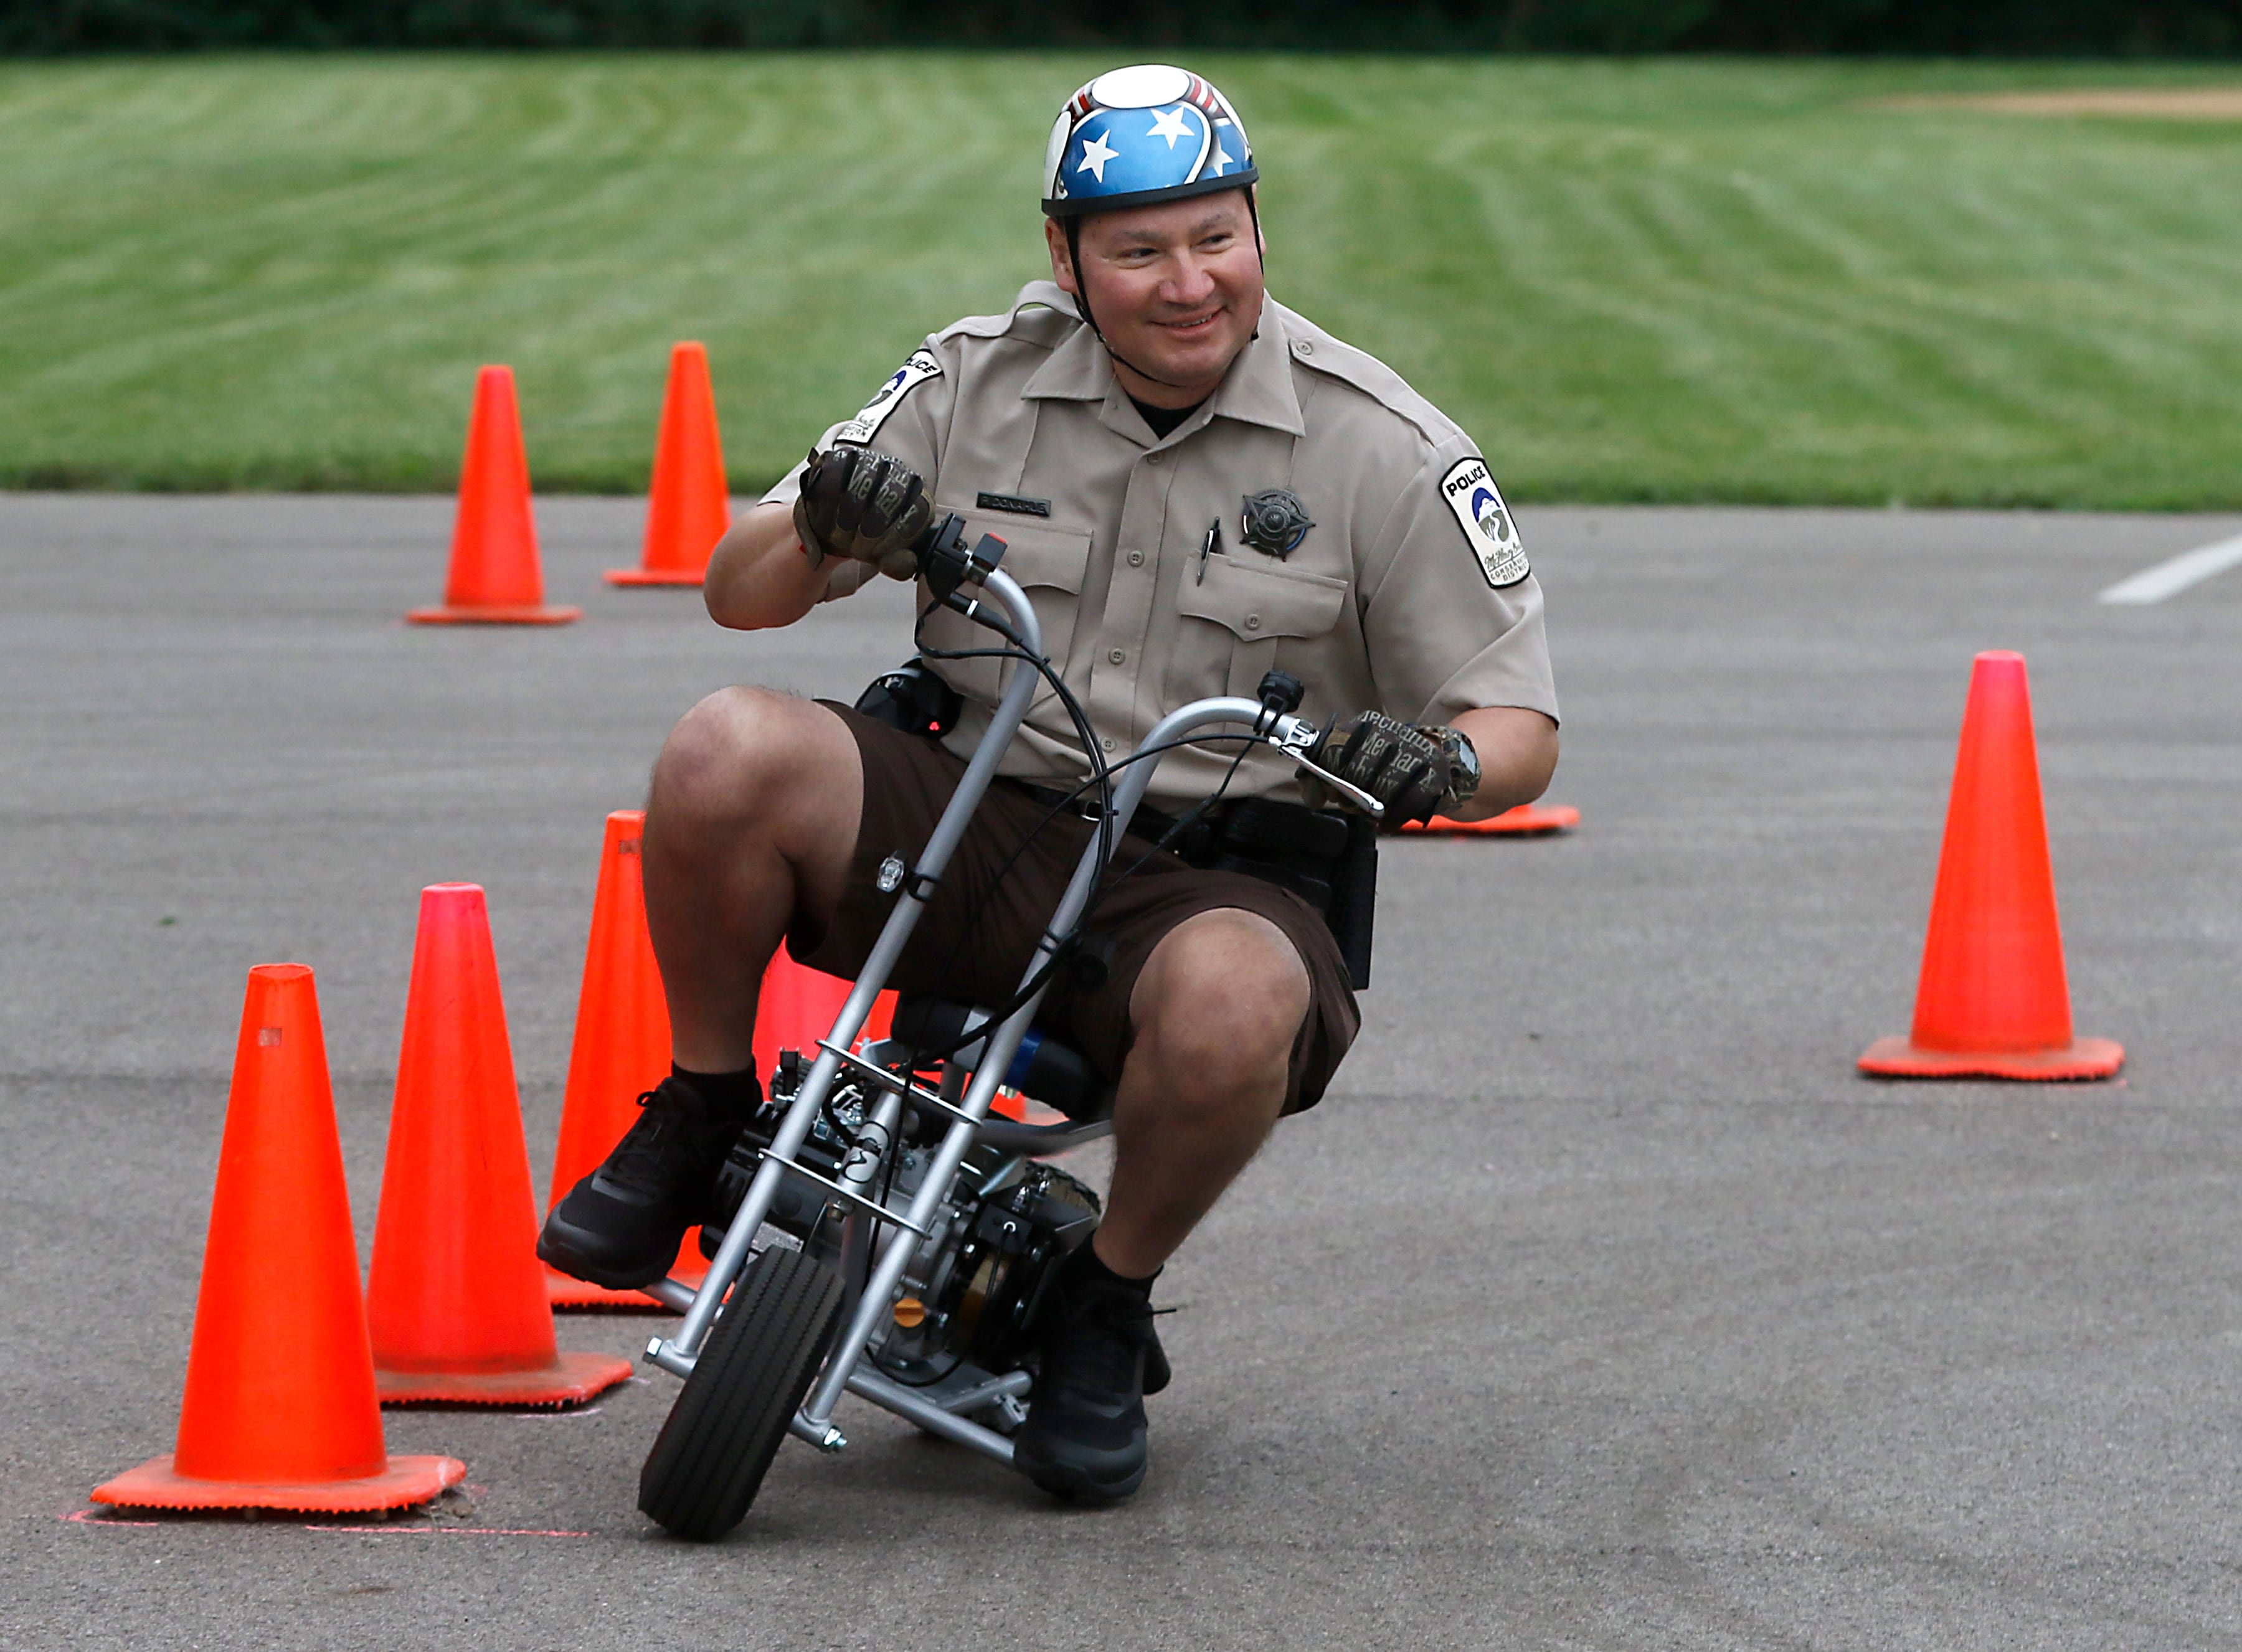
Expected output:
(1095, 154)
(1169, 123)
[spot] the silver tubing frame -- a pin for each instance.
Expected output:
(916, 1407)
(673, 1295)
(997, 1060)
(677, 1353)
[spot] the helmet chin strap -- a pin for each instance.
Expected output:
(1082, 292)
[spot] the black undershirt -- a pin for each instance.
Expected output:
(1164, 420)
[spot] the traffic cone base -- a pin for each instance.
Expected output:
(494, 616)
(570, 1380)
(406, 1481)
(2085, 1059)
(650, 576)
(1528, 820)
(578, 1296)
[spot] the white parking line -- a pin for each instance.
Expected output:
(2168, 579)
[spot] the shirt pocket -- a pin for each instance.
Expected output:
(1048, 563)
(1234, 619)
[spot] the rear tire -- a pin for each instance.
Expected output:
(711, 1456)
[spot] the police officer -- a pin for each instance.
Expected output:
(1196, 485)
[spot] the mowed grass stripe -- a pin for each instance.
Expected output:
(1657, 280)
(1889, 312)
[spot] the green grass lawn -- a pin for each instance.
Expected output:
(1654, 281)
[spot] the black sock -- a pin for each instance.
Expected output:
(1090, 1268)
(726, 1094)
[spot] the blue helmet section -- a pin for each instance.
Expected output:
(1136, 136)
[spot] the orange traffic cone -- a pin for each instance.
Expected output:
(456, 1297)
(495, 577)
(1528, 820)
(279, 1410)
(689, 506)
(797, 1007)
(1992, 1002)
(621, 1050)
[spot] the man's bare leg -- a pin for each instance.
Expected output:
(750, 824)
(1216, 1011)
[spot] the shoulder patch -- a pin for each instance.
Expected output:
(916, 370)
(1470, 493)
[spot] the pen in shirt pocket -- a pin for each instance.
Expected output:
(1211, 545)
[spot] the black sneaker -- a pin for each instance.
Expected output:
(1084, 1435)
(620, 1225)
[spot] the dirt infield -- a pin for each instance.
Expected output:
(2177, 103)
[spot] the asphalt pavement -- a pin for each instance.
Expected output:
(1602, 1305)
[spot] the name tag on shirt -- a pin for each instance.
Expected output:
(1014, 503)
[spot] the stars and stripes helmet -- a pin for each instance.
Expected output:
(1147, 133)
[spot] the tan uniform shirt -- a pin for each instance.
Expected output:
(1410, 594)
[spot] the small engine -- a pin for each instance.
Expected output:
(971, 1292)
(982, 1280)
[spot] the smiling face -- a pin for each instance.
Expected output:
(1176, 289)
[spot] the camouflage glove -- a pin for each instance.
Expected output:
(864, 506)
(1415, 771)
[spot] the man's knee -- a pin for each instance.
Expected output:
(1222, 999)
(743, 752)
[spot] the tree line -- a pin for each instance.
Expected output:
(1957, 28)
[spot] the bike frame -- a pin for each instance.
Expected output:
(896, 1231)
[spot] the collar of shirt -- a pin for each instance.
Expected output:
(1257, 390)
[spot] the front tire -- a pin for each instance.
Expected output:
(712, 1452)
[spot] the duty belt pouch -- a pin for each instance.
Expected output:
(1354, 899)
(911, 698)
(1327, 858)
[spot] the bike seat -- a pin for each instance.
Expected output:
(1045, 1068)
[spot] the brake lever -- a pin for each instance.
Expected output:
(1369, 804)
(1303, 735)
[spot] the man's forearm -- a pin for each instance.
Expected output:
(759, 576)
(1517, 754)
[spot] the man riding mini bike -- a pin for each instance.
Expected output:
(1163, 945)
(912, 1233)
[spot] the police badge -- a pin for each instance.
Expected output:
(1274, 521)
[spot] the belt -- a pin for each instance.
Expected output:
(1148, 823)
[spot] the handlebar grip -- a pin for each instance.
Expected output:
(946, 562)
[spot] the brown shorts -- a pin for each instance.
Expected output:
(974, 940)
